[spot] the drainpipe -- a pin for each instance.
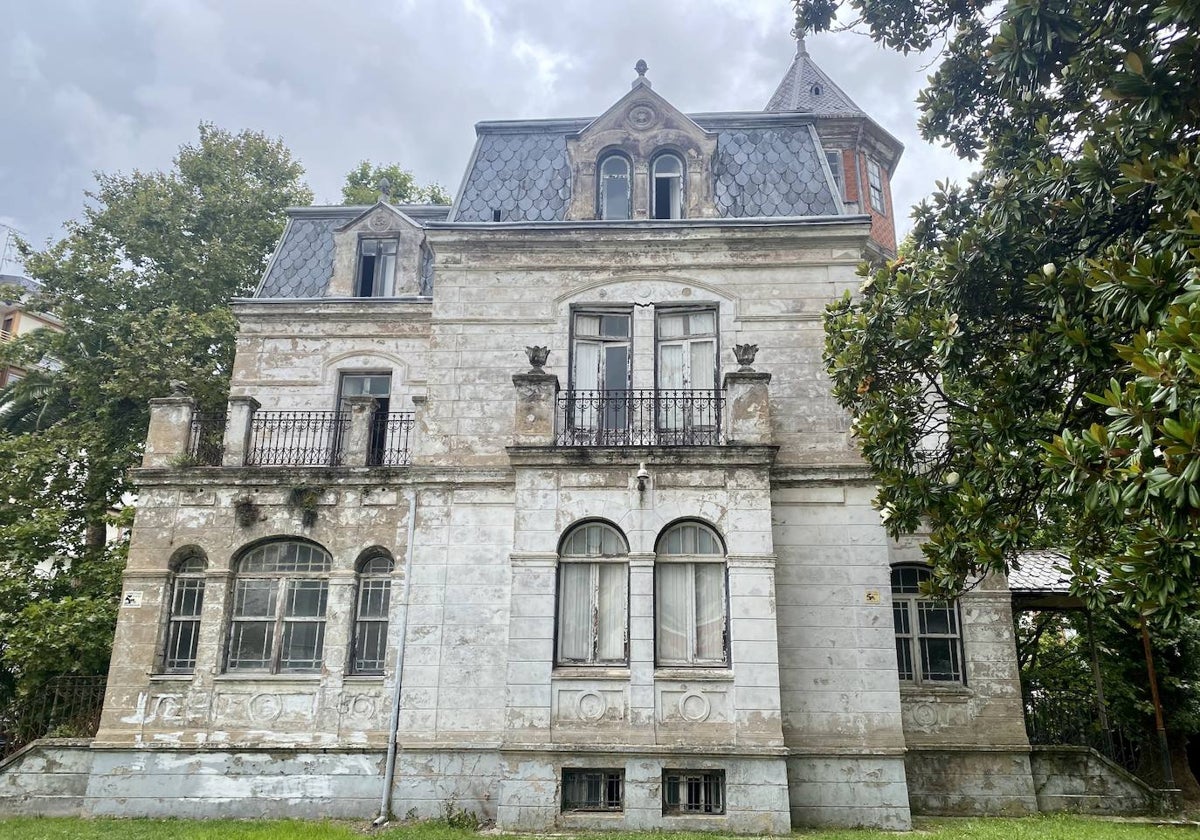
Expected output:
(389, 774)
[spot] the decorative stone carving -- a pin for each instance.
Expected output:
(537, 358)
(264, 707)
(745, 353)
(179, 388)
(641, 116)
(590, 705)
(694, 707)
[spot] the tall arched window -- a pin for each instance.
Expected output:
(666, 187)
(183, 620)
(369, 646)
(613, 189)
(279, 598)
(928, 638)
(689, 597)
(593, 596)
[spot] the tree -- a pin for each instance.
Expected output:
(1028, 372)
(362, 186)
(141, 285)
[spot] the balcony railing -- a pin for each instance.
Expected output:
(639, 418)
(206, 439)
(391, 434)
(297, 438)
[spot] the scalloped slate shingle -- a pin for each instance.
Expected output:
(806, 88)
(526, 176)
(770, 172)
(304, 263)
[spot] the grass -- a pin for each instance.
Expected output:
(1057, 827)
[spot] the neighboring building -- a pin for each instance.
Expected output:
(636, 584)
(17, 320)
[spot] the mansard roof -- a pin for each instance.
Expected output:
(766, 165)
(806, 88)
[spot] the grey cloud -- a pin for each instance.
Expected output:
(89, 85)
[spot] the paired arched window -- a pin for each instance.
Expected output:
(369, 645)
(928, 634)
(280, 594)
(613, 191)
(183, 621)
(689, 597)
(593, 596)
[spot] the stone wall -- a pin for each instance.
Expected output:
(1079, 780)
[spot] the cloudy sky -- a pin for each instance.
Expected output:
(114, 85)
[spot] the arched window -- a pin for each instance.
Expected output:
(689, 597)
(666, 187)
(593, 596)
(928, 637)
(613, 189)
(279, 598)
(183, 620)
(369, 646)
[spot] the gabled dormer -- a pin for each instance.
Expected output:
(379, 253)
(641, 159)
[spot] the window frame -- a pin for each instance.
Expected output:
(188, 575)
(675, 781)
(381, 278)
(693, 560)
(602, 191)
(875, 186)
(680, 192)
(594, 561)
(364, 574)
(837, 168)
(608, 776)
(911, 603)
(281, 619)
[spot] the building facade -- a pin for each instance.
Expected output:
(546, 494)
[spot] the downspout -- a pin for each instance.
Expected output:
(389, 773)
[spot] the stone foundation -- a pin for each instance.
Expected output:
(1081, 781)
(971, 782)
(866, 791)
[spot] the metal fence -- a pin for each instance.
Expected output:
(65, 707)
(297, 438)
(639, 418)
(391, 439)
(206, 439)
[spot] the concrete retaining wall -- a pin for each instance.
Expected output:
(1082, 781)
(970, 783)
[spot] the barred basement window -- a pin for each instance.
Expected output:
(183, 624)
(371, 616)
(694, 792)
(593, 790)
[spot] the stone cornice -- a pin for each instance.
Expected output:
(655, 457)
(397, 477)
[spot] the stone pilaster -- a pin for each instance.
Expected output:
(237, 430)
(170, 430)
(641, 640)
(748, 407)
(533, 421)
(357, 449)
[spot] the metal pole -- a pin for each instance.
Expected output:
(1168, 776)
(1101, 706)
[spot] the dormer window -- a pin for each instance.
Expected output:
(614, 196)
(376, 268)
(666, 176)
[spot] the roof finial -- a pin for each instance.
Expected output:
(641, 67)
(385, 189)
(798, 34)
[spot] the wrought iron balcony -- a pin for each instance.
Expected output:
(391, 439)
(639, 418)
(297, 438)
(206, 439)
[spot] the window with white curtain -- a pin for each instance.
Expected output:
(593, 596)
(687, 373)
(280, 594)
(689, 597)
(928, 637)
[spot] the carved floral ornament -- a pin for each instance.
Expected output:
(537, 358)
(745, 353)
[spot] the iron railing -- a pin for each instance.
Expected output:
(65, 707)
(391, 438)
(1071, 718)
(639, 418)
(206, 439)
(297, 438)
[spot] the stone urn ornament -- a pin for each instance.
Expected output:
(537, 358)
(745, 353)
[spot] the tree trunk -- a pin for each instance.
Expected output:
(1185, 780)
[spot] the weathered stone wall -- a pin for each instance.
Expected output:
(49, 778)
(1081, 781)
(970, 782)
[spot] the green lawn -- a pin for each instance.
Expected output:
(1034, 828)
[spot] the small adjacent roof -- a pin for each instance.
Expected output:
(1040, 572)
(805, 87)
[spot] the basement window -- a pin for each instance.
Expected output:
(694, 792)
(593, 790)
(376, 268)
